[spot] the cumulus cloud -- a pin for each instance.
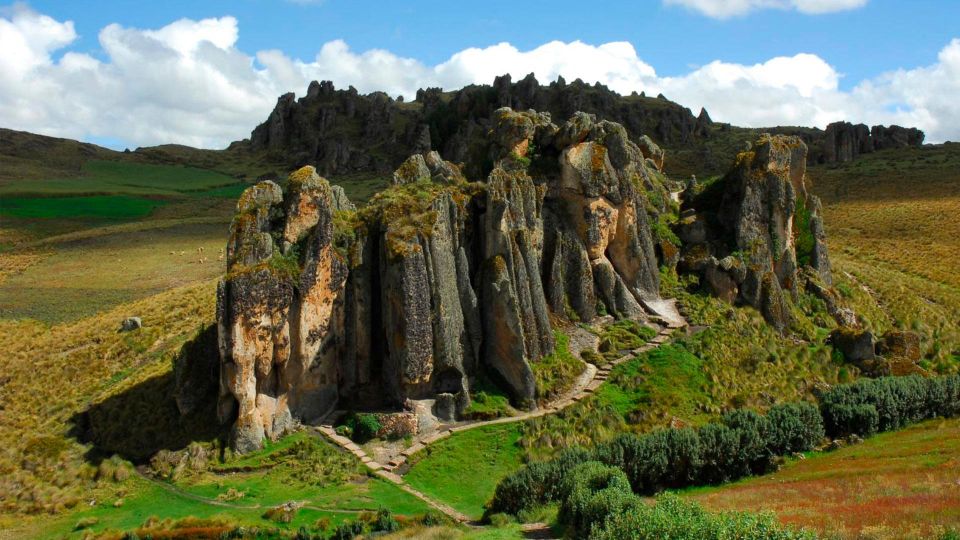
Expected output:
(724, 9)
(188, 82)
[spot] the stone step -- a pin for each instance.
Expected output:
(374, 466)
(416, 447)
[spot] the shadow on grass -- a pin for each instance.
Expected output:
(145, 418)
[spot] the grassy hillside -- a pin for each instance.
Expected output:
(128, 377)
(96, 236)
(895, 485)
(893, 224)
(76, 276)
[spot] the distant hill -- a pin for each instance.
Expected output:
(29, 156)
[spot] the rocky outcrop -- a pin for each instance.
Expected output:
(405, 301)
(279, 309)
(843, 141)
(342, 131)
(750, 232)
(895, 353)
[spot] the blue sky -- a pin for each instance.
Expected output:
(860, 43)
(205, 73)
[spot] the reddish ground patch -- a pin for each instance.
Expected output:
(895, 485)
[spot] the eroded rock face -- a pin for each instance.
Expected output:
(749, 234)
(381, 132)
(279, 309)
(404, 302)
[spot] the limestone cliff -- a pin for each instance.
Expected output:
(436, 280)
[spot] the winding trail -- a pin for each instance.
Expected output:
(664, 313)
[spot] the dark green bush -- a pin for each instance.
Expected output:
(384, 522)
(794, 427)
(362, 427)
(674, 519)
(753, 431)
(536, 483)
(668, 458)
(590, 492)
(873, 405)
(720, 459)
(348, 530)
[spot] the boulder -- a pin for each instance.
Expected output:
(651, 151)
(414, 169)
(130, 323)
(903, 346)
(855, 344)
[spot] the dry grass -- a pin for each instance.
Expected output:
(893, 220)
(49, 374)
(83, 274)
(902, 484)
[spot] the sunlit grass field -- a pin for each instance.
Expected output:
(464, 469)
(77, 276)
(903, 484)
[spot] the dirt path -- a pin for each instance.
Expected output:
(586, 384)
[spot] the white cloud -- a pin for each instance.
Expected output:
(723, 9)
(188, 82)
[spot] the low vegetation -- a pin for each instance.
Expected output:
(591, 485)
(895, 485)
(556, 372)
(477, 459)
(743, 443)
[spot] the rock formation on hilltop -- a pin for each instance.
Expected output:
(343, 131)
(749, 233)
(437, 279)
(844, 141)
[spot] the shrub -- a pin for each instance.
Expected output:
(794, 427)
(675, 519)
(753, 431)
(384, 522)
(668, 458)
(536, 483)
(348, 530)
(362, 427)
(590, 492)
(871, 405)
(719, 454)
